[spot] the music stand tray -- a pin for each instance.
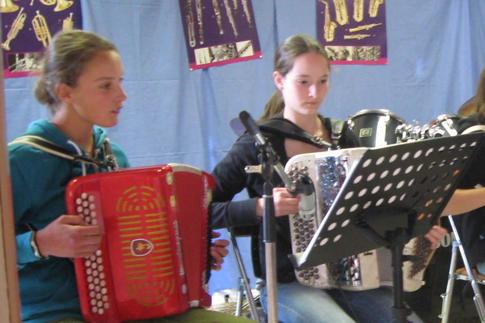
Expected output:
(401, 186)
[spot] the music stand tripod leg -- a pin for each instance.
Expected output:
(243, 282)
(400, 311)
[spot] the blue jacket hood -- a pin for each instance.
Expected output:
(47, 130)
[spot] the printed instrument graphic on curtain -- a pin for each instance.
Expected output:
(219, 32)
(27, 28)
(353, 31)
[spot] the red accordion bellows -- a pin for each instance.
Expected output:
(153, 259)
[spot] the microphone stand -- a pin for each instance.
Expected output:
(267, 160)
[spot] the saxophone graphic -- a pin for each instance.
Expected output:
(341, 13)
(358, 10)
(329, 26)
(374, 6)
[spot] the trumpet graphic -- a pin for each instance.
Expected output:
(63, 5)
(7, 6)
(17, 25)
(41, 29)
(68, 23)
(48, 2)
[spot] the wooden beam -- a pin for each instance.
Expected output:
(9, 286)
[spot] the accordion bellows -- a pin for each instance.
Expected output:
(153, 259)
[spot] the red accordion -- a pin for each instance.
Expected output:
(153, 260)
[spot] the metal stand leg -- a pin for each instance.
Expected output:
(477, 298)
(447, 296)
(240, 298)
(243, 284)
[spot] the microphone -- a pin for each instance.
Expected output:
(252, 127)
(302, 186)
(254, 130)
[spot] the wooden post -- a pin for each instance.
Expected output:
(9, 286)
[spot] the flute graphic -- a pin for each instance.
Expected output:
(217, 12)
(189, 20)
(230, 17)
(200, 21)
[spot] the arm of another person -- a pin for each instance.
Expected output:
(465, 200)
(231, 179)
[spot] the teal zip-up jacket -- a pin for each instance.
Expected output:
(48, 289)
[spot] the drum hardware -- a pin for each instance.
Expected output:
(17, 25)
(374, 127)
(444, 125)
(7, 6)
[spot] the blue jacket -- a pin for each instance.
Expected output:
(47, 286)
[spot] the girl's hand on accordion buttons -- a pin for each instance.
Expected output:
(68, 236)
(284, 202)
(218, 251)
(435, 234)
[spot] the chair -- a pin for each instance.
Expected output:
(467, 275)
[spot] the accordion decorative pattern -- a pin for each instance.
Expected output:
(153, 259)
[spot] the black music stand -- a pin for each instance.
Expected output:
(390, 195)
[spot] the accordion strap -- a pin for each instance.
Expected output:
(286, 128)
(53, 149)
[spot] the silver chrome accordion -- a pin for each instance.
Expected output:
(367, 270)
